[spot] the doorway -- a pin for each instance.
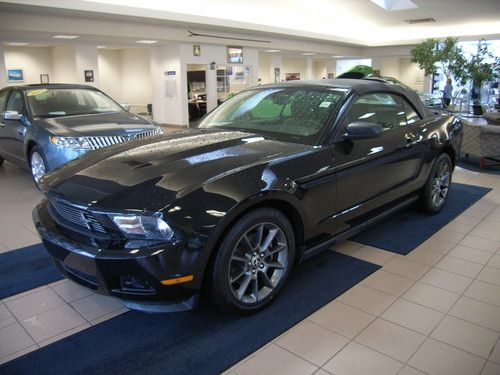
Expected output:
(197, 91)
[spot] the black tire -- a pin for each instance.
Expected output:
(435, 191)
(225, 264)
(36, 150)
(1, 161)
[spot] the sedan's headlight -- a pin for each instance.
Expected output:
(70, 142)
(142, 226)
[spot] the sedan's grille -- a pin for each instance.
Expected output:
(99, 142)
(149, 133)
(77, 216)
(104, 141)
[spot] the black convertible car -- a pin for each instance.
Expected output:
(274, 175)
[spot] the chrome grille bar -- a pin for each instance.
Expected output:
(104, 141)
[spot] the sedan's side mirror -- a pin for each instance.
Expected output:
(12, 115)
(362, 130)
(126, 107)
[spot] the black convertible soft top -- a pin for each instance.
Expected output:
(360, 87)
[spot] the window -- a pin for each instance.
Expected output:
(15, 102)
(3, 99)
(411, 115)
(291, 114)
(381, 108)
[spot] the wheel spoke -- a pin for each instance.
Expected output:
(246, 243)
(256, 289)
(243, 287)
(276, 250)
(237, 277)
(239, 258)
(276, 265)
(260, 234)
(269, 238)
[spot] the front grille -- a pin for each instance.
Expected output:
(149, 133)
(104, 141)
(100, 142)
(77, 216)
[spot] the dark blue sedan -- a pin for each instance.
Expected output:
(45, 126)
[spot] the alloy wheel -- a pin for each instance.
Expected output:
(37, 166)
(258, 263)
(440, 184)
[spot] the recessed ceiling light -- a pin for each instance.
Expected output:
(273, 50)
(17, 44)
(147, 41)
(308, 53)
(392, 5)
(65, 36)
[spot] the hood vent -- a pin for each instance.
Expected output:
(420, 20)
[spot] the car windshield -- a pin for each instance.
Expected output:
(54, 102)
(291, 114)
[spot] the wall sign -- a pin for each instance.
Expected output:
(196, 50)
(170, 73)
(89, 76)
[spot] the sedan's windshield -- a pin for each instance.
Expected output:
(293, 114)
(53, 102)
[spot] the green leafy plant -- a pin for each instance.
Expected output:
(482, 66)
(432, 54)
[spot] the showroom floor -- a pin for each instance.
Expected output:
(435, 311)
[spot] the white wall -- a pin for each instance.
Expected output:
(3, 69)
(34, 61)
(344, 65)
(63, 64)
(265, 74)
(136, 85)
(110, 73)
(294, 65)
(86, 59)
(411, 74)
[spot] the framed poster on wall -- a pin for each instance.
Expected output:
(89, 76)
(15, 75)
(292, 76)
(196, 50)
(44, 79)
(235, 55)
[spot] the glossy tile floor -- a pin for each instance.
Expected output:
(434, 311)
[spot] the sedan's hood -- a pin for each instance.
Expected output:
(111, 124)
(147, 172)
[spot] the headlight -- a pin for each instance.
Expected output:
(70, 142)
(144, 227)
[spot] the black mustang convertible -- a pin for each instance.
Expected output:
(272, 176)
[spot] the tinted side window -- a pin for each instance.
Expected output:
(381, 108)
(411, 115)
(15, 102)
(3, 99)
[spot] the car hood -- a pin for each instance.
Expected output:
(111, 124)
(153, 172)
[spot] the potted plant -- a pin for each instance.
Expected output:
(432, 54)
(481, 68)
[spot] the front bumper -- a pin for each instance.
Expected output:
(124, 273)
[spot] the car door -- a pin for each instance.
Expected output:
(4, 95)
(371, 172)
(14, 130)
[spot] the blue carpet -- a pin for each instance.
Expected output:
(203, 341)
(405, 230)
(24, 269)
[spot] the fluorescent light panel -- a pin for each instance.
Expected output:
(65, 36)
(308, 53)
(393, 5)
(273, 50)
(17, 44)
(145, 41)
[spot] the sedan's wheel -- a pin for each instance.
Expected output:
(436, 189)
(37, 164)
(253, 261)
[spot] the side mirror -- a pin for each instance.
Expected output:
(362, 130)
(12, 115)
(126, 107)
